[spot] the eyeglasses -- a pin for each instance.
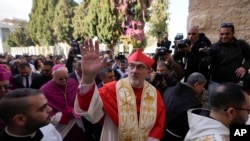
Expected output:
(139, 66)
(5, 86)
(63, 78)
(191, 33)
(227, 25)
(237, 108)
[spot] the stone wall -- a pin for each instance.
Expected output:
(209, 14)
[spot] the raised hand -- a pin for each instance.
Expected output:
(91, 61)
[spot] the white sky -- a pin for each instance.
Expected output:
(15, 9)
(178, 18)
(177, 8)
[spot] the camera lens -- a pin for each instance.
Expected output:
(184, 43)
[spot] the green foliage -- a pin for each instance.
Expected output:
(107, 27)
(96, 18)
(19, 37)
(79, 20)
(158, 17)
(82, 19)
(41, 19)
(63, 20)
(62, 24)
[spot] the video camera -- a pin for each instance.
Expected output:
(76, 47)
(184, 43)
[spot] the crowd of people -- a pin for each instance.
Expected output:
(101, 97)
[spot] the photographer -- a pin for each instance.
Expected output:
(165, 55)
(161, 79)
(190, 52)
(165, 43)
(73, 54)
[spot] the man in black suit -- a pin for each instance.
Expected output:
(46, 75)
(165, 43)
(25, 77)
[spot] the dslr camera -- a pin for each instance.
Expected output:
(158, 82)
(184, 43)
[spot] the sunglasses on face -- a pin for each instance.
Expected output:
(227, 25)
(224, 34)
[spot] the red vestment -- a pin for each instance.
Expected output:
(108, 98)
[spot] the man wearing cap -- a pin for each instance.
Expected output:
(60, 93)
(130, 109)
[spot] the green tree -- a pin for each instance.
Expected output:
(97, 18)
(41, 19)
(90, 20)
(158, 17)
(107, 27)
(20, 36)
(62, 24)
(79, 20)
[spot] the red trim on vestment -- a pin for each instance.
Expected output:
(84, 100)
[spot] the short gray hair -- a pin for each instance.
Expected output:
(196, 77)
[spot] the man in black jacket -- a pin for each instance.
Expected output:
(230, 57)
(192, 55)
(177, 101)
(165, 43)
(45, 77)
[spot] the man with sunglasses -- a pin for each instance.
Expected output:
(130, 108)
(230, 105)
(230, 57)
